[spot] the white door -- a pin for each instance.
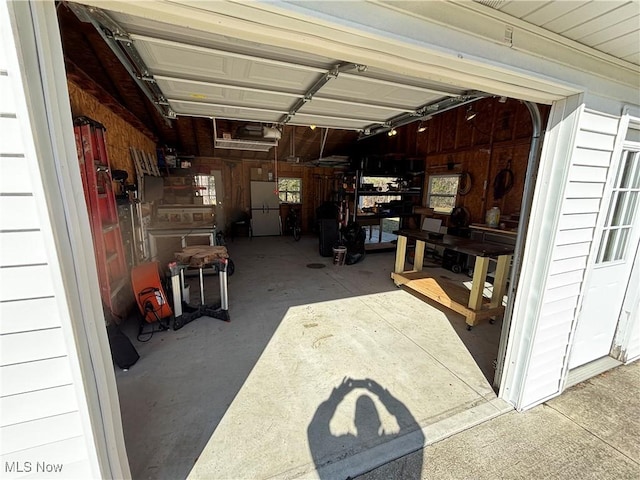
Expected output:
(607, 284)
(265, 222)
(264, 195)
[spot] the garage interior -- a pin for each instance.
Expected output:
(238, 399)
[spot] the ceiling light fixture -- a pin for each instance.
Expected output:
(392, 132)
(312, 127)
(470, 115)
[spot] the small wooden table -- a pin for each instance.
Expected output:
(451, 294)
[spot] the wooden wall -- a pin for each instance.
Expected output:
(120, 134)
(318, 183)
(499, 136)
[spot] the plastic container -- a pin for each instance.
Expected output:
(339, 255)
(493, 217)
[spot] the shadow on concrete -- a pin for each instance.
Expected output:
(173, 400)
(329, 450)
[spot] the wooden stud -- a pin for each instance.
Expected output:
(500, 280)
(401, 250)
(418, 258)
(477, 286)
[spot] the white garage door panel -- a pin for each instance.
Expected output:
(352, 87)
(203, 110)
(189, 61)
(301, 119)
(165, 59)
(207, 38)
(318, 105)
(198, 92)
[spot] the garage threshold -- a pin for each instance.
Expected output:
(322, 373)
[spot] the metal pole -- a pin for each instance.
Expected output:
(201, 287)
(222, 275)
(525, 210)
(176, 289)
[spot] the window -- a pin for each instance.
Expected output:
(442, 192)
(206, 185)
(290, 190)
(620, 218)
(380, 184)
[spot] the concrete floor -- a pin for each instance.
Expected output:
(321, 373)
(591, 431)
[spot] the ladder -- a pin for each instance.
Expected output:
(103, 213)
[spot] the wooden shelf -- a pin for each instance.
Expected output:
(389, 193)
(448, 293)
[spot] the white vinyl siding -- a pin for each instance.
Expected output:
(40, 419)
(590, 161)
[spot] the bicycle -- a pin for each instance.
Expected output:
(292, 223)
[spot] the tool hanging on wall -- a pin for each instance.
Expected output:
(465, 183)
(503, 182)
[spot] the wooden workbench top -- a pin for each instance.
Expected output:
(458, 244)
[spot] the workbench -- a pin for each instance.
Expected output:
(449, 293)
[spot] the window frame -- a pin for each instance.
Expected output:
(206, 185)
(287, 200)
(430, 195)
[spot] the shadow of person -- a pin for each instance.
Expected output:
(346, 455)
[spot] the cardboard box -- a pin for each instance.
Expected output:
(256, 174)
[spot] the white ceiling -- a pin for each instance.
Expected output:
(611, 27)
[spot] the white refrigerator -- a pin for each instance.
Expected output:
(265, 209)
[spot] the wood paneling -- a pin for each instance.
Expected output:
(120, 136)
(499, 136)
(318, 184)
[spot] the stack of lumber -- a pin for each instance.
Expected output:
(201, 255)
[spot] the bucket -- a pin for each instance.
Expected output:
(339, 255)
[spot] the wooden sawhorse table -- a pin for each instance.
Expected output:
(454, 295)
